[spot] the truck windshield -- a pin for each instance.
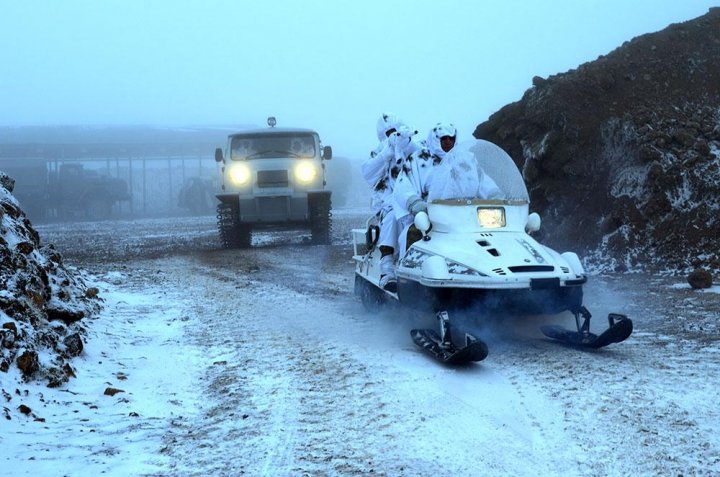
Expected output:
(272, 145)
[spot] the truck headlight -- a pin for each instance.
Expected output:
(491, 217)
(305, 172)
(239, 174)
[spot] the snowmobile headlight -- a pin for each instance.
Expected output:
(239, 174)
(491, 217)
(305, 172)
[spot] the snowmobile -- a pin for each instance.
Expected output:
(478, 257)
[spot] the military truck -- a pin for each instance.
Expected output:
(69, 192)
(76, 192)
(273, 178)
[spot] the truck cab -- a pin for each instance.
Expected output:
(273, 178)
(77, 191)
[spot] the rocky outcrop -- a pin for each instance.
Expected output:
(622, 155)
(42, 302)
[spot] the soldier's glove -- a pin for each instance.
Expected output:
(404, 135)
(393, 139)
(416, 205)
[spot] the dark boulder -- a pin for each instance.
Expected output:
(73, 345)
(700, 278)
(28, 363)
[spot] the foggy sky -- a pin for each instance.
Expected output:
(333, 66)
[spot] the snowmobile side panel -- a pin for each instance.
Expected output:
(372, 297)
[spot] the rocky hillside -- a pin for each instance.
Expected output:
(42, 302)
(622, 154)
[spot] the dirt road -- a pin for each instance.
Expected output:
(295, 378)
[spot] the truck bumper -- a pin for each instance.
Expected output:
(273, 209)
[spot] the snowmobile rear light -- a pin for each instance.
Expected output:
(491, 217)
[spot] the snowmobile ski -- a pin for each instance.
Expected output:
(428, 340)
(620, 328)
(442, 348)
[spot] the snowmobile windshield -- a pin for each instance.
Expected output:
(499, 166)
(265, 146)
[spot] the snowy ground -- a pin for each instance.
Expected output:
(261, 362)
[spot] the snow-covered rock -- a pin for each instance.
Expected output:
(42, 301)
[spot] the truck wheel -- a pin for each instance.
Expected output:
(319, 208)
(233, 233)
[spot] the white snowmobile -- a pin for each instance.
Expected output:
(477, 256)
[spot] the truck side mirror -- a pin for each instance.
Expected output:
(219, 155)
(327, 153)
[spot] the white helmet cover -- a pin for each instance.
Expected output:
(438, 131)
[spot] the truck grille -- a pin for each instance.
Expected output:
(272, 178)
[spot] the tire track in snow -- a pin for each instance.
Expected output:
(296, 401)
(525, 436)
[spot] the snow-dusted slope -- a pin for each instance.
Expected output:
(621, 154)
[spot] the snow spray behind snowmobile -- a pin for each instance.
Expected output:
(478, 255)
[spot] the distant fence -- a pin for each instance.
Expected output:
(154, 182)
(156, 175)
